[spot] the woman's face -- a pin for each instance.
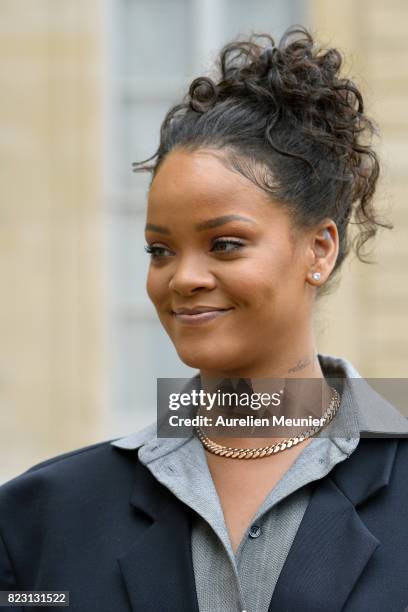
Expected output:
(219, 243)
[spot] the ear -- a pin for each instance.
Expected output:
(323, 249)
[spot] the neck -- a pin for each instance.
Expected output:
(291, 355)
(302, 364)
(306, 393)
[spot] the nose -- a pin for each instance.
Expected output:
(190, 275)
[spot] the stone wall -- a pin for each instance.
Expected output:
(366, 318)
(51, 247)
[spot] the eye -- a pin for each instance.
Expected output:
(156, 251)
(221, 245)
(227, 245)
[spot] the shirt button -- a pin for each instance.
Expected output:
(255, 531)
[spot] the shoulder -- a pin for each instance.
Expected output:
(87, 471)
(98, 469)
(94, 456)
(65, 504)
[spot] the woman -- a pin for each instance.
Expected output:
(255, 180)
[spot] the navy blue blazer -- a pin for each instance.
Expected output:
(96, 523)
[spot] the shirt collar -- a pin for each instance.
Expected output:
(362, 411)
(375, 415)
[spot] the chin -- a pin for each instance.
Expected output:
(211, 359)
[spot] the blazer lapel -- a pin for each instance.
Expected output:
(333, 545)
(157, 568)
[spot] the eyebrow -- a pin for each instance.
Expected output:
(199, 227)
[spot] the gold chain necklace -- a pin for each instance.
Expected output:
(266, 451)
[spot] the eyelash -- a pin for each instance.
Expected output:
(154, 251)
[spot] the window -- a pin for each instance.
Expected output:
(156, 48)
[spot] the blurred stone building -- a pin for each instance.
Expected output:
(85, 84)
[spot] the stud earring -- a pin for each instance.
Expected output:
(316, 276)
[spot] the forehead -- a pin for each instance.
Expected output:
(201, 180)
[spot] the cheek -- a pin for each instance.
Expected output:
(266, 283)
(253, 283)
(155, 285)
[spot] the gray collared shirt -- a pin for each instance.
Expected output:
(245, 581)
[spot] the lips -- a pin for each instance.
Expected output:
(199, 315)
(197, 310)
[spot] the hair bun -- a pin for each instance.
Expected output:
(203, 94)
(301, 80)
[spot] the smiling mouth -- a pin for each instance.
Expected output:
(200, 317)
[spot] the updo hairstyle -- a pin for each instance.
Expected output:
(284, 117)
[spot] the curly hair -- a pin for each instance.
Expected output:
(284, 117)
